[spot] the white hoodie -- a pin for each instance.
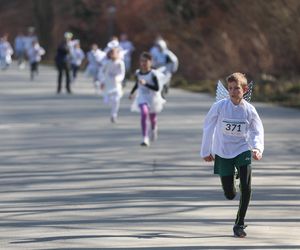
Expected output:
(230, 130)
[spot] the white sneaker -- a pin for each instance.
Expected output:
(145, 142)
(154, 135)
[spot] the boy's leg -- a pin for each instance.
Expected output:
(225, 168)
(228, 186)
(245, 187)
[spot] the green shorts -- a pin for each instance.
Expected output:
(226, 167)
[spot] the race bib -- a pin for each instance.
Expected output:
(233, 127)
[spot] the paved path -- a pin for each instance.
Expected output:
(72, 180)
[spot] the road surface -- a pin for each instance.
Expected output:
(72, 180)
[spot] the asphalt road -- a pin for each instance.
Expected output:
(72, 180)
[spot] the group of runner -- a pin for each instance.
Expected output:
(26, 47)
(109, 67)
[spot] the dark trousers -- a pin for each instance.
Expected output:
(75, 69)
(34, 69)
(244, 173)
(63, 67)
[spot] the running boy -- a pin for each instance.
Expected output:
(232, 132)
(148, 99)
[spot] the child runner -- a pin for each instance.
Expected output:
(166, 62)
(232, 131)
(95, 57)
(112, 75)
(77, 55)
(35, 53)
(148, 99)
(6, 51)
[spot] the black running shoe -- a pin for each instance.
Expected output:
(238, 231)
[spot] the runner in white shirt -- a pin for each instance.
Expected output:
(35, 53)
(95, 57)
(6, 51)
(112, 75)
(148, 100)
(77, 55)
(232, 132)
(166, 63)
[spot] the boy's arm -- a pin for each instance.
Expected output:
(210, 122)
(256, 154)
(256, 139)
(209, 158)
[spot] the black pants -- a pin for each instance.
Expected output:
(63, 67)
(34, 69)
(244, 173)
(75, 69)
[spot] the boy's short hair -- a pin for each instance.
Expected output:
(146, 55)
(238, 78)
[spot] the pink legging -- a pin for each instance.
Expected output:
(144, 114)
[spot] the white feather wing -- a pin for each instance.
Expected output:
(221, 91)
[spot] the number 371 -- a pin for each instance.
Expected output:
(233, 127)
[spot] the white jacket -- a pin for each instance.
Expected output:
(112, 75)
(35, 53)
(230, 130)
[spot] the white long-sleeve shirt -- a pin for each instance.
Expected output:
(5, 49)
(230, 130)
(77, 55)
(113, 73)
(35, 53)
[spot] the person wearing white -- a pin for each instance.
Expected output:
(95, 57)
(148, 99)
(157, 57)
(166, 63)
(6, 51)
(112, 75)
(128, 47)
(232, 131)
(77, 56)
(34, 54)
